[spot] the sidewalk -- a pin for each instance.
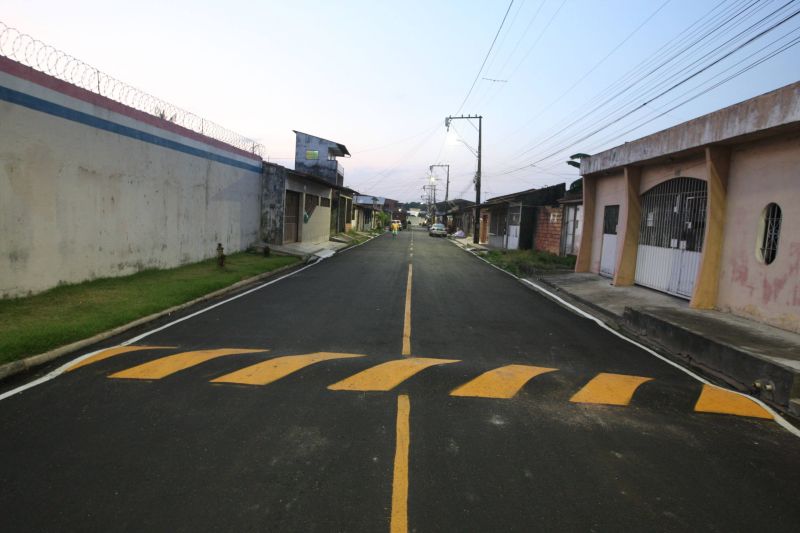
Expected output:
(752, 357)
(308, 250)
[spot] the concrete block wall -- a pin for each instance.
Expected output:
(91, 188)
(547, 237)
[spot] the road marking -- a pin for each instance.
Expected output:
(399, 523)
(277, 368)
(111, 352)
(609, 389)
(407, 320)
(503, 382)
(386, 376)
(785, 424)
(716, 400)
(173, 363)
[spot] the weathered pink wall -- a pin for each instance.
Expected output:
(760, 174)
(610, 191)
(657, 174)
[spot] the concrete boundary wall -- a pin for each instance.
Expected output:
(91, 188)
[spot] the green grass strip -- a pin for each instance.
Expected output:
(528, 262)
(69, 313)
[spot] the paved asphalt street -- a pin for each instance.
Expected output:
(400, 385)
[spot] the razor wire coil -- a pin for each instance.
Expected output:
(49, 60)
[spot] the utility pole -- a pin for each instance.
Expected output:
(477, 215)
(447, 187)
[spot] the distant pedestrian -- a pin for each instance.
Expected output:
(395, 229)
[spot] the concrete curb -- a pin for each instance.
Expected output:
(28, 363)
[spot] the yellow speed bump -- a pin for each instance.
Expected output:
(280, 367)
(504, 382)
(386, 376)
(174, 363)
(111, 352)
(609, 389)
(716, 400)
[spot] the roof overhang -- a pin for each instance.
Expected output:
(768, 115)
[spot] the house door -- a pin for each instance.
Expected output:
(291, 217)
(608, 252)
(512, 239)
(484, 229)
(671, 236)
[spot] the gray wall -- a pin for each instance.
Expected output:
(90, 188)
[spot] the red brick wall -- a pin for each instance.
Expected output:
(548, 229)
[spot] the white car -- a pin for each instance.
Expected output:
(437, 230)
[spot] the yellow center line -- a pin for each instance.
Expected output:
(407, 321)
(399, 523)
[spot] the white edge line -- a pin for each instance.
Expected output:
(60, 370)
(777, 417)
(357, 245)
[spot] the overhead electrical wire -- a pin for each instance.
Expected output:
(591, 70)
(667, 108)
(674, 85)
(629, 78)
(677, 55)
(485, 58)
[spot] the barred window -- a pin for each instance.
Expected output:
(768, 244)
(326, 202)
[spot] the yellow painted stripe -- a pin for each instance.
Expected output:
(387, 376)
(280, 367)
(173, 363)
(504, 382)
(399, 522)
(111, 352)
(609, 389)
(716, 400)
(407, 321)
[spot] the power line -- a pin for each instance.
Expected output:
(656, 57)
(676, 85)
(485, 58)
(591, 70)
(725, 54)
(673, 57)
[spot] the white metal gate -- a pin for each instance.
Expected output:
(671, 236)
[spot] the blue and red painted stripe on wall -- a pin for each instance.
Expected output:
(45, 106)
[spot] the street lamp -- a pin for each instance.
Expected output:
(447, 187)
(477, 215)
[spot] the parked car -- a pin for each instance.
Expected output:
(437, 230)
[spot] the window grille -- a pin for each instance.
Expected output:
(772, 231)
(674, 214)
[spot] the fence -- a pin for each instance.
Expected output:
(42, 57)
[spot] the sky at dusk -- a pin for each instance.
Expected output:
(563, 76)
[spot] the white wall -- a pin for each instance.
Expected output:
(78, 202)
